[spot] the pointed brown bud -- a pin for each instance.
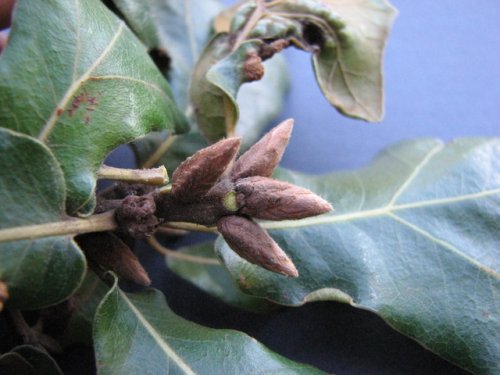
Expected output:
(265, 198)
(4, 294)
(110, 252)
(254, 244)
(265, 155)
(199, 173)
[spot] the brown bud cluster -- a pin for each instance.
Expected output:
(229, 193)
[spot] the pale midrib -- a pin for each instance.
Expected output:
(329, 219)
(159, 340)
(77, 226)
(51, 122)
(445, 244)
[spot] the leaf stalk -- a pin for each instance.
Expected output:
(71, 226)
(154, 176)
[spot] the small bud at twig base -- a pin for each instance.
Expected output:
(265, 198)
(254, 244)
(112, 253)
(136, 216)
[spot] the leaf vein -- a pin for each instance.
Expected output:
(51, 122)
(444, 244)
(167, 349)
(415, 173)
(329, 219)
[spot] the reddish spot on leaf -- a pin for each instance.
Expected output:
(86, 102)
(59, 111)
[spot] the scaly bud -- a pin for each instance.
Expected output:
(199, 173)
(4, 294)
(265, 155)
(136, 216)
(265, 198)
(110, 252)
(254, 244)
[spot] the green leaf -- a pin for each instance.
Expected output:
(346, 41)
(144, 326)
(169, 26)
(41, 361)
(76, 78)
(414, 239)
(206, 272)
(217, 78)
(179, 28)
(38, 271)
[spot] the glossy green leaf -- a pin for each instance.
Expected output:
(40, 360)
(415, 238)
(87, 86)
(206, 272)
(132, 327)
(42, 271)
(180, 28)
(345, 39)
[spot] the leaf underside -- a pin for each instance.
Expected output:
(346, 41)
(414, 238)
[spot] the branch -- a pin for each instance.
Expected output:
(95, 223)
(155, 176)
